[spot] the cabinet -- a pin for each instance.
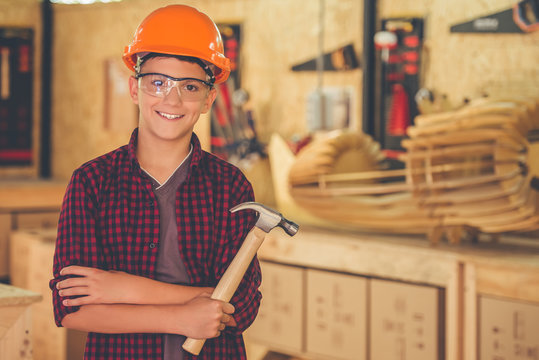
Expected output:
(370, 257)
(438, 297)
(501, 298)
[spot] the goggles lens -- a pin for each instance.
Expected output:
(159, 85)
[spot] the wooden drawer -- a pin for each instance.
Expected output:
(280, 320)
(405, 321)
(336, 315)
(508, 329)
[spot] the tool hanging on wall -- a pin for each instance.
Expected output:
(16, 100)
(343, 58)
(523, 17)
(224, 134)
(400, 44)
(250, 143)
(399, 116)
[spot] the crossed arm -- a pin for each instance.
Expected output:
(118, 302)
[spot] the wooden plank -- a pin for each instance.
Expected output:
(520, 280)
(15, 333)
(31, 195)
(15, 322)
(14, 296)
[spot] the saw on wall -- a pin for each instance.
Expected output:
(343, 58)
(523, 17)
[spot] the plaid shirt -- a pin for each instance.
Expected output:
(110, 220)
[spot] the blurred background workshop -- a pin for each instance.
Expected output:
(402, 136)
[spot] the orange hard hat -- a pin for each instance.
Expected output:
(179, 30)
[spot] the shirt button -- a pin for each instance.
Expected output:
(152, 245)
(149, 203)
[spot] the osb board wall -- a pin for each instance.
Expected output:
(466, 65)
(27, 14)
(277, 35)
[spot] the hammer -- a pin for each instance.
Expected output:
(267, 220)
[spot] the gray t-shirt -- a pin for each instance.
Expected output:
(170, 267)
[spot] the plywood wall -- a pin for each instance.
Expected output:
(277, 35)
(464, 65)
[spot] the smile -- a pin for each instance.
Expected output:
(169, 116)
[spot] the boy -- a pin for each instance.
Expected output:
(145, 231)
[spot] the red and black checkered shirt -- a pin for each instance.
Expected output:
(110, 220)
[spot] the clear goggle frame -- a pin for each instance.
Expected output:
(160, 85)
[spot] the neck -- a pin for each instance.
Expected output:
(161, 158)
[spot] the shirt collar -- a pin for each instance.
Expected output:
(132, 150)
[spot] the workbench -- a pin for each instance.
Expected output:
(439, 290)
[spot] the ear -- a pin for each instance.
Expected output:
(209, 100)
(133, 89)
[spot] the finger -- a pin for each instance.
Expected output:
(205, 294)
(225, 318)
(222, 327)
(85, 300)
(77, 270)
(71, 282)
(74, 291)
(228, 308)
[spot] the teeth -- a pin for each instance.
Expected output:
(169, 116)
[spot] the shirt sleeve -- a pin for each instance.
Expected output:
(246, 299)
(76, 237)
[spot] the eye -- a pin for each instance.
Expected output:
(156, 82)
(191, 86)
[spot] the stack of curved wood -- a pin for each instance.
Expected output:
(466, 171)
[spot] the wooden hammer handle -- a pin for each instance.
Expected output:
(231, 278)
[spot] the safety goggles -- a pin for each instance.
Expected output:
(160, 85)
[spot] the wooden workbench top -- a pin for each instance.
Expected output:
(410, 258)
(31, 195)
(14, 296)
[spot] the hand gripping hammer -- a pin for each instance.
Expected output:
(267, 220)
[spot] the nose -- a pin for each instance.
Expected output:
(174, 95)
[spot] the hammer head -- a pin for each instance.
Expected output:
(268, 218)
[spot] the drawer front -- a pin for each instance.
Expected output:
(508, 329)
(336, 315)
(280, 320)
(405, 321)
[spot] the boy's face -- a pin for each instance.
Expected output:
(169, 117)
